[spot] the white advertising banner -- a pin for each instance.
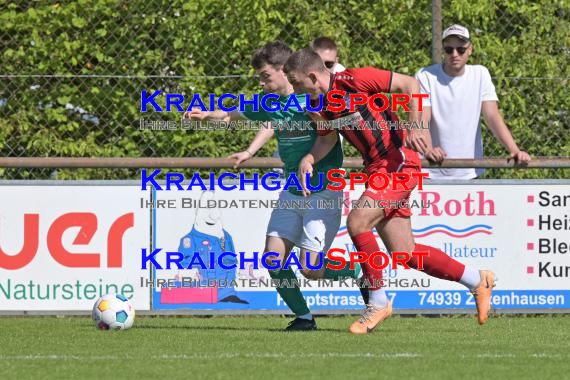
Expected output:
(62, 247)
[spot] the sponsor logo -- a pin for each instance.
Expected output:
(440, 229)
(88, 227)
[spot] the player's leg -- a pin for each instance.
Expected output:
(360, 223)
(318, 259)
(396, 233)
(283, 233)
(291, 295)
(320, 226)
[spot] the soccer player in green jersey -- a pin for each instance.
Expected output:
(312, 229)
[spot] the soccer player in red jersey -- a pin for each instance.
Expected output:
(383, 151)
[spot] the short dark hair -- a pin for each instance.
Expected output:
(323, 43)
(274, 53)
(304, 60)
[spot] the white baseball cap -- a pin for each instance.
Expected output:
(457, 31)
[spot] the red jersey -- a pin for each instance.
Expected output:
(379, 147)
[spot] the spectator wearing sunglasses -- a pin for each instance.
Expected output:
(459, 93)
(328, 51)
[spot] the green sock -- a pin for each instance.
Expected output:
(292, 296)
(335, 274)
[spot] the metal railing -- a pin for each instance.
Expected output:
(256, 162)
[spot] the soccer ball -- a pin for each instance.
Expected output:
(113, 312)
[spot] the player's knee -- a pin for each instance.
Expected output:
(272, 261)
(357, 224)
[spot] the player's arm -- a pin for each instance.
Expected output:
(372, 81)
(499, 129)
(261, 138)
(416, 139)
(435, 154)
(323, 145)
(405, 84)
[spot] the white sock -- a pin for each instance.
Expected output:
(378, 298)
(306, 316)
(471, 278)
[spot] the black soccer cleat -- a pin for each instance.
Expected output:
(365, 293)
(300, 324)
(234, 299)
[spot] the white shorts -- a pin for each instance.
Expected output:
(309, 229)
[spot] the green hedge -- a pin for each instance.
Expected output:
(203, 38)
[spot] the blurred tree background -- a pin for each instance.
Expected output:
(72, 72)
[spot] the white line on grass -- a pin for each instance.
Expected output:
(222, 355)
(513, 356)
(269, 355)
(294, 356)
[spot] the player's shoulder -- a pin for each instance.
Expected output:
(345, 79)
(259, 96)
(301, 98)
(354, 74)
(347, 74)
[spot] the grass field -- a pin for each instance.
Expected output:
(255, 347)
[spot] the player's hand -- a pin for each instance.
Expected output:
(317, 119)
(417, 141)
(305, 166)
(315, 116)
(520, 157)
(240, 157)
(436, 155)
(196, 114)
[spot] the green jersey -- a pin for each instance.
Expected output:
(296, 138)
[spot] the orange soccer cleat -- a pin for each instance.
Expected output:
(371, 318)
(483, 295)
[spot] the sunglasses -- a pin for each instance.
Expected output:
(460, 50)
(329, 64)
